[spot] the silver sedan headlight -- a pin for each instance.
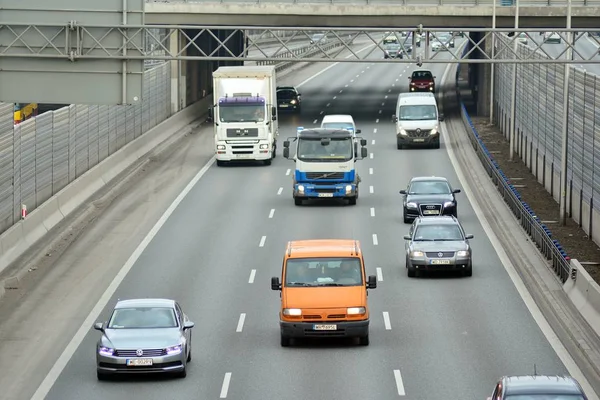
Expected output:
(462, 253)
(416, 253)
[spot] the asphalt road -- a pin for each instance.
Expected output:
(448, 337)
(585, 48)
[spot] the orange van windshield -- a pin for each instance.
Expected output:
(323, 272)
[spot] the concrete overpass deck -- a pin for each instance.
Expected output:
(404, 13)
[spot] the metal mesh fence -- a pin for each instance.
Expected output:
(538, 124)
(42, 155)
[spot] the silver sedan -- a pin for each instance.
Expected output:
(144, 336)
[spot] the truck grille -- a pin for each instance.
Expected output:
(146, 353)
(242, 132)
(436, 254)
(324, 175)
(418, 133)
(325, 190)
(431, 209)
(242, 148)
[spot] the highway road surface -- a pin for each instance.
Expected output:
(447, 337)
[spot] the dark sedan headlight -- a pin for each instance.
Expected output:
(411, 205)
(172, 350)
(106, 351)
(448, 204)
(293, 102)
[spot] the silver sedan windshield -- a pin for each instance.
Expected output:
(143, 318)
(445, 232)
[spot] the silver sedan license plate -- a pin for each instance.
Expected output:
(322, 327)
(418, 140)
(438, 262)
(139, 362)
(325, 194)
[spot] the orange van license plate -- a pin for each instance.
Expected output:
(322, 327)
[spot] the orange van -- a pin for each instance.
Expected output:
(323, 291)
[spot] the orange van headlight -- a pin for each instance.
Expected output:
(356, 310)
(292, 311)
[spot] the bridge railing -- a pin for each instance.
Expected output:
(419, 3)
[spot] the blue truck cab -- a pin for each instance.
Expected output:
(325, 164)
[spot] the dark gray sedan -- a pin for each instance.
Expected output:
(438, 243)
(144, 336)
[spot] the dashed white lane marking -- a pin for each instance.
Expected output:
(315, 121)
(362, 72)
(371, 190)
(379, 274)
(288, 171)
(377, 121)
(279, 191)
(386, 96)
(272, 213)
(252, 276)
(321, 113)
(393, 84)
(341, 90)
(372, 211)
(383, 104)
(225, 386)
(386, 321)
(373, 141)
(371, 156)
(346, 86)
(262, 241)
(375, 241)
(399, 383)
(389, 90)
(328, 104)
(396, 79)
(370, 171)
(375, 130)
(240, 325)
(334, 97)
(379, 111)
(358, 75)
(351, 80)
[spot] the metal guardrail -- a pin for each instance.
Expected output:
(419, 3)
(281, 65)
(530, 222)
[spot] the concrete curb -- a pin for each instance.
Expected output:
(15, 241)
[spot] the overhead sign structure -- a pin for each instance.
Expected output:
(43, 56)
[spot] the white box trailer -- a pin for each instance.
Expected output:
(244, 113)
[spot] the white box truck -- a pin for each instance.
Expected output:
(244, 114)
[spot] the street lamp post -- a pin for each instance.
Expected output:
(513, 99)
(492, 67)
(565, 119)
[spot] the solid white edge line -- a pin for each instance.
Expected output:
(252, 276)
(86, 326)
(533, 308)
(379, 274)
(375, 241)
(225, 386)
(262, 241)
(386, 321)
(240, 325)
(310, 78)
(272, 213)
(399, 383)
(372, 211)
(279, 191)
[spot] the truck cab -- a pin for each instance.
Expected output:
(323, 290)
(325, 164)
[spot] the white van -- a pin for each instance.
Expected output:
(417, 120)
(340, 121)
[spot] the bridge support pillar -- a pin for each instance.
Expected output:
(177, 75)
(484, 82)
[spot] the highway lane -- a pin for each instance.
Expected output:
(450, 337)
(586, 46)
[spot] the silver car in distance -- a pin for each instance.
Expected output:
(144, 336)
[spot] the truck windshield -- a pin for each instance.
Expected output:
(242, 112)
(323, 272)
(417, 113)
(337, 150)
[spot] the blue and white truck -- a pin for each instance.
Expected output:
(325, 164)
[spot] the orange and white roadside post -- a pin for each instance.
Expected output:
(23, 211)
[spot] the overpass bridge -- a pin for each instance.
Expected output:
(371, 14)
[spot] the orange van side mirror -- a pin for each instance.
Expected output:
(275, 284)
(372, 282)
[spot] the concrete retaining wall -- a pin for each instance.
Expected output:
(584, 292)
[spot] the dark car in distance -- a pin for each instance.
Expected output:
(288, 98)
(422, 80)
(538, 387)
(428, 196)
